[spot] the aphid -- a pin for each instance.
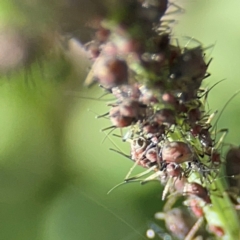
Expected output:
(138, 148)
(196, 190)
(165, 116)
(118, 120)
(174, 172)
(153, 128)
(110, 71)
(126, 91)
(187, 72)
(126, 113)
(152, 154)
(176, 152)
(191, 65)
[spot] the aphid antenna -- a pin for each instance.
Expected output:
(98, 203)
(152, 177)
(97, 115)
(209, 89)
(121, 153)
(190, 39)
(102, 116)
(116, 135)
(224, 107)
(99, 99)
(194, 229)
(140, 174)
(124, 182)
(107, 135)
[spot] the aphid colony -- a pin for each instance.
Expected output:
(158, 100)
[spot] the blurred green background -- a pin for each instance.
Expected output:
(55, 169)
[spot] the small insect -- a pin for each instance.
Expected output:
(110, 71)
(196, 190)
(176, 152)
(165, 116)
(126, 113)
(191, 65)
(174, 172)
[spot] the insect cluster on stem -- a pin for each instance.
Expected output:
(158, 100)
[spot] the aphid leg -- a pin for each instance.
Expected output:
(191, 39)
(103, 115)
(107, 128)
(121, 153)
(107, 135)
(206, 92)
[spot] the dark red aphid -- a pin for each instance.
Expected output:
(189, 65)
(110, 71)
(165, 116)
(138, 148)
(126, 113)
(176, 152)
(196, 190)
